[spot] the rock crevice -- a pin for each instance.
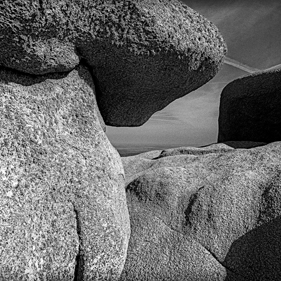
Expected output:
(78, 271)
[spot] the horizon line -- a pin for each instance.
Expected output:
(248, 68)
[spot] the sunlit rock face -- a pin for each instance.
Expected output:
(209, 213)
(63, 211)
(143, 54)
(250, 108)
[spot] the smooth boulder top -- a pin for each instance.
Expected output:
(250, 108)
(213, 215)
(143, 54)
(63, 210)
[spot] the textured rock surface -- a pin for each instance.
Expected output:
(213, 215)
(157, 251)
(250, 109)
(144, 54)
(62, 199)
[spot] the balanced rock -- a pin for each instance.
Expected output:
(250, 108)
(63, 211)
(213, 215)
(143, 54)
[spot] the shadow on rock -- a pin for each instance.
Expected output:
(257, 254)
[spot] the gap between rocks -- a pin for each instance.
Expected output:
(82, 62)
(78, 270)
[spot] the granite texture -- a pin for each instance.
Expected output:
(143, 54)
(63, 211)
(213, 215)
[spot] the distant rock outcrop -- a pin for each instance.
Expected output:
(250, 108)
(63, 209)
(214, 215)
(143, 54)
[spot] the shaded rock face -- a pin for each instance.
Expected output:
(213, 215)
(63, 207)
(250, 109)
(244, 144)
(143, 54)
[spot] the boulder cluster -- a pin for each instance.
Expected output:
(142, 54)
(201, 214)
(71, 208)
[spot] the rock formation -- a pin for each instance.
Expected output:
(143, 54)
(63, 207)
(67, 68)
(250, 108)
(209, 213)
(204, 214)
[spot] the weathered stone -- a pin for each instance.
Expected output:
(213, 148)
(250, 109)
(216, 212)
(63, 209)
(158, 251)
(144, 54)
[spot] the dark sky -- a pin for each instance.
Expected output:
(252, 31)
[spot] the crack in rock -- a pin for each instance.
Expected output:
(187, 213)
(221, 263)
(191, 203)
(193, 238)
(78, 271)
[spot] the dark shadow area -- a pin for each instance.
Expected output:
(244, 144)
(8, 75)
(238, 144)
(96, 88)
(257, 254)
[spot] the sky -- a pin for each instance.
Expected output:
(252, 31)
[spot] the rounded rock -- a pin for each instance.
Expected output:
(63, 211)
(143, 54)
(250, 108)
